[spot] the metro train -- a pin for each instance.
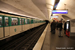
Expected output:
(11, 25)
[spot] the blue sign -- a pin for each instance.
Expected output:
(60, 12)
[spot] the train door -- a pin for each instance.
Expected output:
(6, 26)
(26, 24)
(22, 22)
(26, 21)
(1, 27)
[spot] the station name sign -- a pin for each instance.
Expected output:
(60, 12)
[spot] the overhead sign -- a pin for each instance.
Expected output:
(60, 12)
(54, 16)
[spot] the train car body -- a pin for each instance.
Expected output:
(11, 25)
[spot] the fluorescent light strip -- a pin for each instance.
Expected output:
(59, 11)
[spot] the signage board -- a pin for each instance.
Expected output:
(60, 12)
(54, 16)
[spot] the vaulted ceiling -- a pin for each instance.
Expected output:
(33, 8)
(41, 9)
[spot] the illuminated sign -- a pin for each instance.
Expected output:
(60, 12)
(54, 16)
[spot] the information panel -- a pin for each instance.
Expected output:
(54, 16)
(60, 12)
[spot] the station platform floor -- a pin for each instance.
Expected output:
(54, 42)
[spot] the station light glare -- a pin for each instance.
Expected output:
(68, 20)
(67, 26)
(0, 17)
(62, 2)
(53, 1)
(51, 7)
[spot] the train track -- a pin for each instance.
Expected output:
(26, 42)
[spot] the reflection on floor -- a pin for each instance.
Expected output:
(61, 43)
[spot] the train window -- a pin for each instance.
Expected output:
(34, 21)
(14, 21)
(6, 21)
(26, 21)
(0, 21)
(37, 21)
(40, 21)
(29, 21)
(22, 21)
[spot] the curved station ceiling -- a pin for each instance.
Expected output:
(40, 9)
